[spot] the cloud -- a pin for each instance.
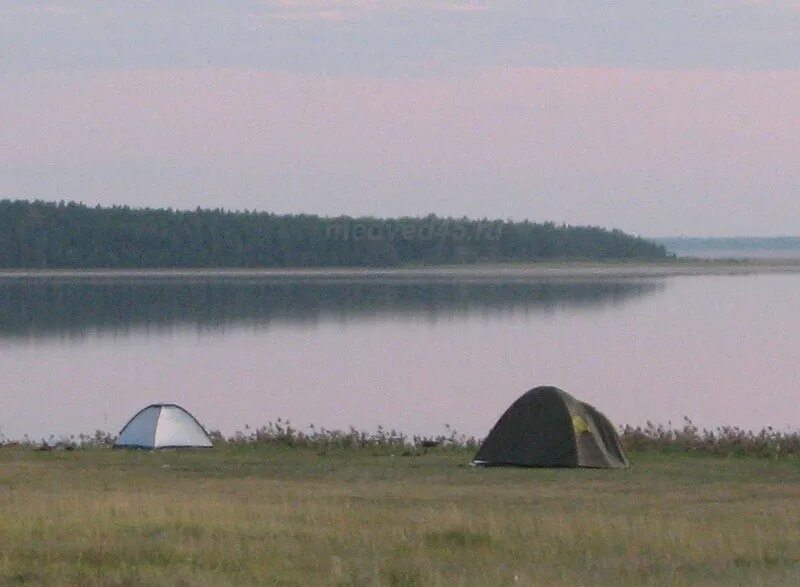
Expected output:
(475, 8)
(389, 37)
(329, 10)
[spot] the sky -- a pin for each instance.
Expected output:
(657, 117)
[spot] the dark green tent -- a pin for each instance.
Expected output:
(547, 427)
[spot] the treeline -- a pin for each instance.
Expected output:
(70, 235)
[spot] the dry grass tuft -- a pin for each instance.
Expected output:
(650, 438)
(722, 441)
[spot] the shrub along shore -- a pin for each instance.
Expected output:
(651, 438)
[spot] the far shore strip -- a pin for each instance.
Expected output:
(493, 272)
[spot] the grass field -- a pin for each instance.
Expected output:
(255, 515)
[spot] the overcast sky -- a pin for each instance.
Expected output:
(657, 117)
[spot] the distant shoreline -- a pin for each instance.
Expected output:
(502, 272)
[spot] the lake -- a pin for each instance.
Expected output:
(415, 354)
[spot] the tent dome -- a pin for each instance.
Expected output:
(163, 426)
(547, 427)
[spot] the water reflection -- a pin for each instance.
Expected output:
(74, 308)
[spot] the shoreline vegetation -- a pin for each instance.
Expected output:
(37, 234)
(687, 439)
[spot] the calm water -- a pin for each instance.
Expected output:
(77, 356)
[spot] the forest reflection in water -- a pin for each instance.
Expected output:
(70, 308)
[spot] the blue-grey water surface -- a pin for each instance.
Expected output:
(80, 355)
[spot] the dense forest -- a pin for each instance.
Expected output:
(70, 235)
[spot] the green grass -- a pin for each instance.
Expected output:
(255, 515)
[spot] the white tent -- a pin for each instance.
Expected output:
(163, 426)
